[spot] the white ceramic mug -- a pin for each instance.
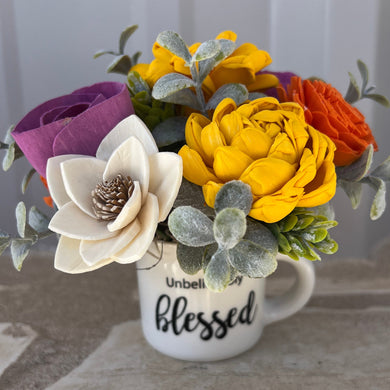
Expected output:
(183, 319)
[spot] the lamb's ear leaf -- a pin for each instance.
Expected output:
(175, 44)
(190, 258)
(124, 37)
(217, 275)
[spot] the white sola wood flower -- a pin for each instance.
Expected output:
(109, 206)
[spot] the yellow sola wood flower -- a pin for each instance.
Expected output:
(269, 146)
(242, 66)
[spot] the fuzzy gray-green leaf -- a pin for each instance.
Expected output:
(124, 37)
(358, 169)
(190, 258)
(26, 179)
(229, 227)
(21, 219)
(191, 227)
(170, 131)
(314, 235)
(353, 92)
(262, 235)
(252, 260)
(353, 190)
(137, 83)
(169, 84)
(9, 157)
(8, 137)
(38, 221)
(121, 64)
(4, 243)
(184, 97)
(383, 170)
(103, 52)
(226, 48)
(206, 50)
(363, 73)
(19, 251)
(234, 194)
(379, 203)
(378, 99)
(217, 274)
(327, 246)
(235, 91)
(175, 44)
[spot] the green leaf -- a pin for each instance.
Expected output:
(226, 48)
(4, 243)
(20, 213)
(229, 227)
(383, 170)
(262, 235)
(327, 246)
(217, 275)
(175, 44)
(103, 52)
(9, 157)
(379, 203)
(185, 97)
(235, 91)
(191, 227)
(256, 95)
(207, 50)
(378, 99)
(135, 57)
(26, 179)
(303, 223)
(288, 223)
(353, 191)
(252, 260)
(190, 258)
(20, 248)
(38, 220)
(358, 169)
(314, 235)
(124, 37)
(170, 131)
(8, 137)
(137, 84)
(363, 73)
(234, 194)
(169, 84)
(121, 64)
(353, 92)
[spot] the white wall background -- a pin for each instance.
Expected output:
(46, 49)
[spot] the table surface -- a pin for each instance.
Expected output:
(71, 332)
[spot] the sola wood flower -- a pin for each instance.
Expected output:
(109, 206)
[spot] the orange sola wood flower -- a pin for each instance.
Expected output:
(328, 112)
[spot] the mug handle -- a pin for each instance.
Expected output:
(283, 306)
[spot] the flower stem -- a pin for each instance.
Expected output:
(198, 88)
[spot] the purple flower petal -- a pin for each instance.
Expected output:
(74, 123)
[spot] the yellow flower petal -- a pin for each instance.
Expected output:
(193, 130)
(273, 208)
(230, 163)
(211, 138)
(267, 175)
(225, 107)
(263, 81)
(230, 125)
(232, 36)
(253, 142)
(210, 191)
(142, 69)
(282, 148)
(194, 169)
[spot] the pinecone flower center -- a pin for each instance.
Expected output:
(109, 197)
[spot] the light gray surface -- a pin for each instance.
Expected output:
(89, 335)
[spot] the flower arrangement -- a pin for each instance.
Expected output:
(203, 147)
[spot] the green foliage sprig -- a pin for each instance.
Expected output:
(226, 246)
(355, 93)
(304, 232)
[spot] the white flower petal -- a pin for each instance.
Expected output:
(80, 177)
(70, 221)
(148, 217)
(54, 178)
(166, 172)
(68, 259)
(128, 127)
(129, 210)
(130, 159)
(93, 252)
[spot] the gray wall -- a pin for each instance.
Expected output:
(47, 46)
